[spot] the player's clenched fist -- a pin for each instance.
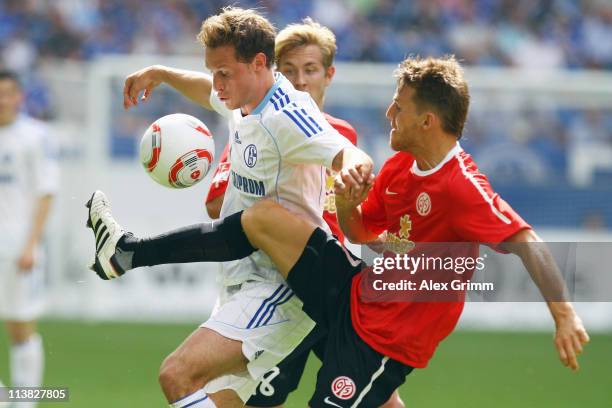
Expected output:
(352, 185)
(144, 80)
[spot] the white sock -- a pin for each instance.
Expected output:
(27, 363)
(198, 399)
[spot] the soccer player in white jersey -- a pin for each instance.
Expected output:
(28, 181)
(281, 144)
(305, 56)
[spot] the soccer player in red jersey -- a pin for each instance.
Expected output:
(430, 191)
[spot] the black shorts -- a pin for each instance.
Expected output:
(283, 379)
(353, 373)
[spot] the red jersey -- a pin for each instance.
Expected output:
(221, 177)
(452, 202)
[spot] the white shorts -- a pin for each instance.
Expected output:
(268, 319)
(21, 294)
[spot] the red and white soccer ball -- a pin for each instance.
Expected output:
(177, 150)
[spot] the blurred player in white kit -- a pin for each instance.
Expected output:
(28, 181)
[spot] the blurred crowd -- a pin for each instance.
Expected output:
(543, 33)
(572, 34)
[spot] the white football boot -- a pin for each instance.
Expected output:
(107, 232)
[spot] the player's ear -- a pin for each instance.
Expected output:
(259, 61)
(329, 74)
(428, 120)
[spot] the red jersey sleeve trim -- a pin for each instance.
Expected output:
(487, 198)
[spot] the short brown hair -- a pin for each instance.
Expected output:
(8, 75)
(439, 85)
(308, 32)
(245, 29)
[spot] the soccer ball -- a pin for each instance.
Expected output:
(177, 150)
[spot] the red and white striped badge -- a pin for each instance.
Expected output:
(343, 388)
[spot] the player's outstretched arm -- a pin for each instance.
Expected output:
(570, 333)
(194, 85)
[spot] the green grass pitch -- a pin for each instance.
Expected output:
(115, 365)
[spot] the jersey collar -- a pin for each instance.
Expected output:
(452, 152)
(277, 81)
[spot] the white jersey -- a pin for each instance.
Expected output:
(28, 170)
(278, 152)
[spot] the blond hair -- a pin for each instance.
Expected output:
(244, 29)
(308, 32)
(439, 85)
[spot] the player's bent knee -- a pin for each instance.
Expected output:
(176, 380)
(259, 218)
(168, 374)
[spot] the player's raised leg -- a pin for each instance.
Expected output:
(272, 228)
(117, 251)
(266, 225)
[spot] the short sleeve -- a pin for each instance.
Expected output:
(343, 127)
(350, 134)
(305, 137)
(221, 176)
(219, 106)
(480, 214)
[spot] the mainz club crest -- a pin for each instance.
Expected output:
(423, 204)
(343, 388)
